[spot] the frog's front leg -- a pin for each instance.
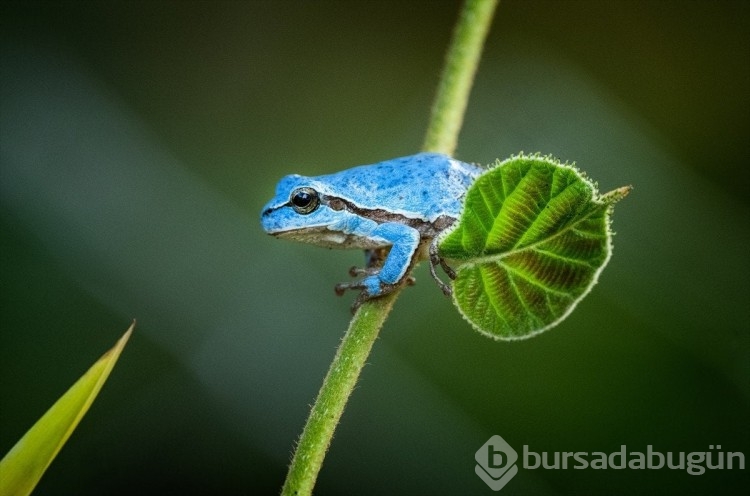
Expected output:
(374, 259)
(404, 241)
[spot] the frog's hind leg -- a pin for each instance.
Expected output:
(435, 260)
(375, 257)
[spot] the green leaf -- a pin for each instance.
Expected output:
(25, 463)
(530, 244)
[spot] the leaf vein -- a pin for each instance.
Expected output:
(552, 254)
(534, 281)
(498, 257)
(489, 300)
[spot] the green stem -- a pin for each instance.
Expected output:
(442, 134)
(337, 387)
(461, 63)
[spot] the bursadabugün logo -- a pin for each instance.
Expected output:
(496, 460)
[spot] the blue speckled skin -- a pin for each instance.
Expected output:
(395, 203)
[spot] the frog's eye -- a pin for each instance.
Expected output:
(304, 200)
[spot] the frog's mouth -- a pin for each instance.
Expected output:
(322, 236)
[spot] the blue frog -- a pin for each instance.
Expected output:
(394, 210)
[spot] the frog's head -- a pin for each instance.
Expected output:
(300, 211)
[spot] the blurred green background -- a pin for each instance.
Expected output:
(139, 141)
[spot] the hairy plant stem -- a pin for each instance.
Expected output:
(442, 134)
(461, 64)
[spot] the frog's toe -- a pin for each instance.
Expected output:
(367, 271)
(342, 287)
(448, 270)
(447, 290)
(370, 286)
(363, 296)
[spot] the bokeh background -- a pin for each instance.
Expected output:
(139, 141)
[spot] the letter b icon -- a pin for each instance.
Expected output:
(496, 458)
(496, 462)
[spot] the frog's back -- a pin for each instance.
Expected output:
(425, 185)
